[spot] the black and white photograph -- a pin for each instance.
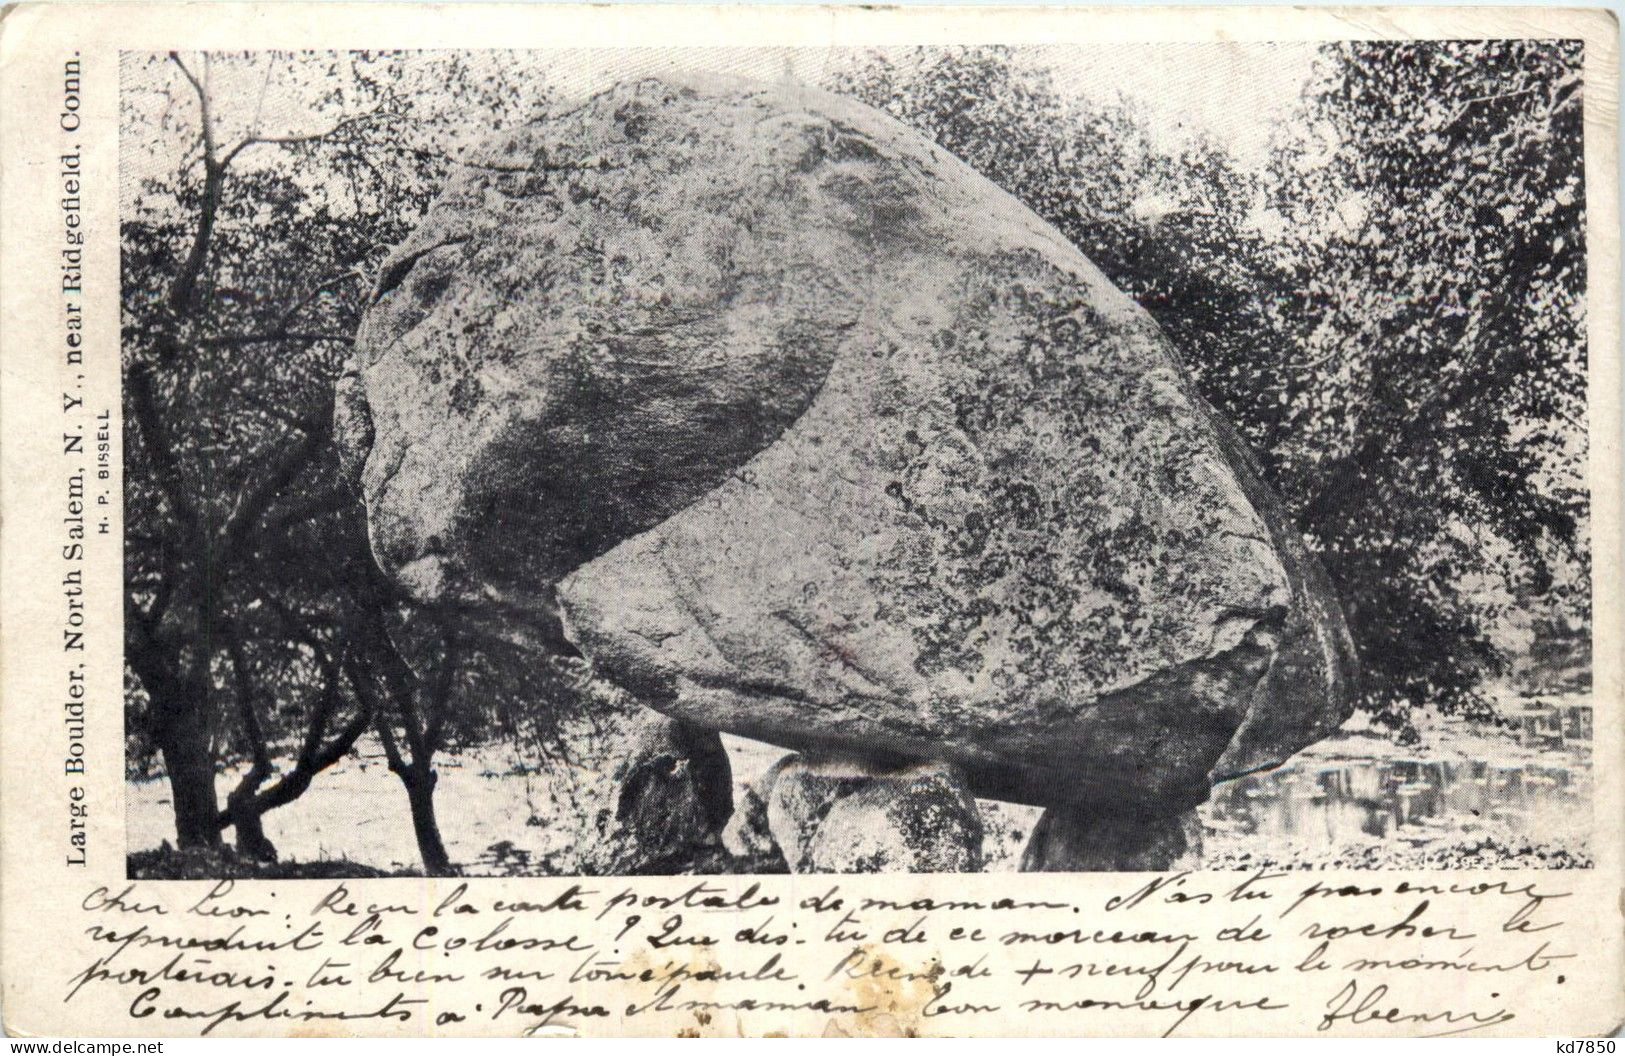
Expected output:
(900, 459)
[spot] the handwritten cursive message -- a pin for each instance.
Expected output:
(1186, 953)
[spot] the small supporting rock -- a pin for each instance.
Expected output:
(1070, 840)
(675, 795)
(843, 817)
(749, 839)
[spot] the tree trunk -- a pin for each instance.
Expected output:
(251, 839)
(187, 760)
(245, 815)
(420, 782)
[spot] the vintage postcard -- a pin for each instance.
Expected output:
(712, 521)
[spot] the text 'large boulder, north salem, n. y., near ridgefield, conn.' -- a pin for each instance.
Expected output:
(799, 428)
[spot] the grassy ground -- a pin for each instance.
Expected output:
(500, 814)
(166, 863)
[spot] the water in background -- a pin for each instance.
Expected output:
(1358, 798)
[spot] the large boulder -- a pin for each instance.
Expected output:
(801, 429)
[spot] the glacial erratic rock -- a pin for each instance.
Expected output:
(830, 817)
(801, 429)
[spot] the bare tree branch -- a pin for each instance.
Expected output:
(155, 436)
(247, 713)
(268, 484)
(238, 340)
(184, 289)
(440, 699)
(299, 304)
(310, 137)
